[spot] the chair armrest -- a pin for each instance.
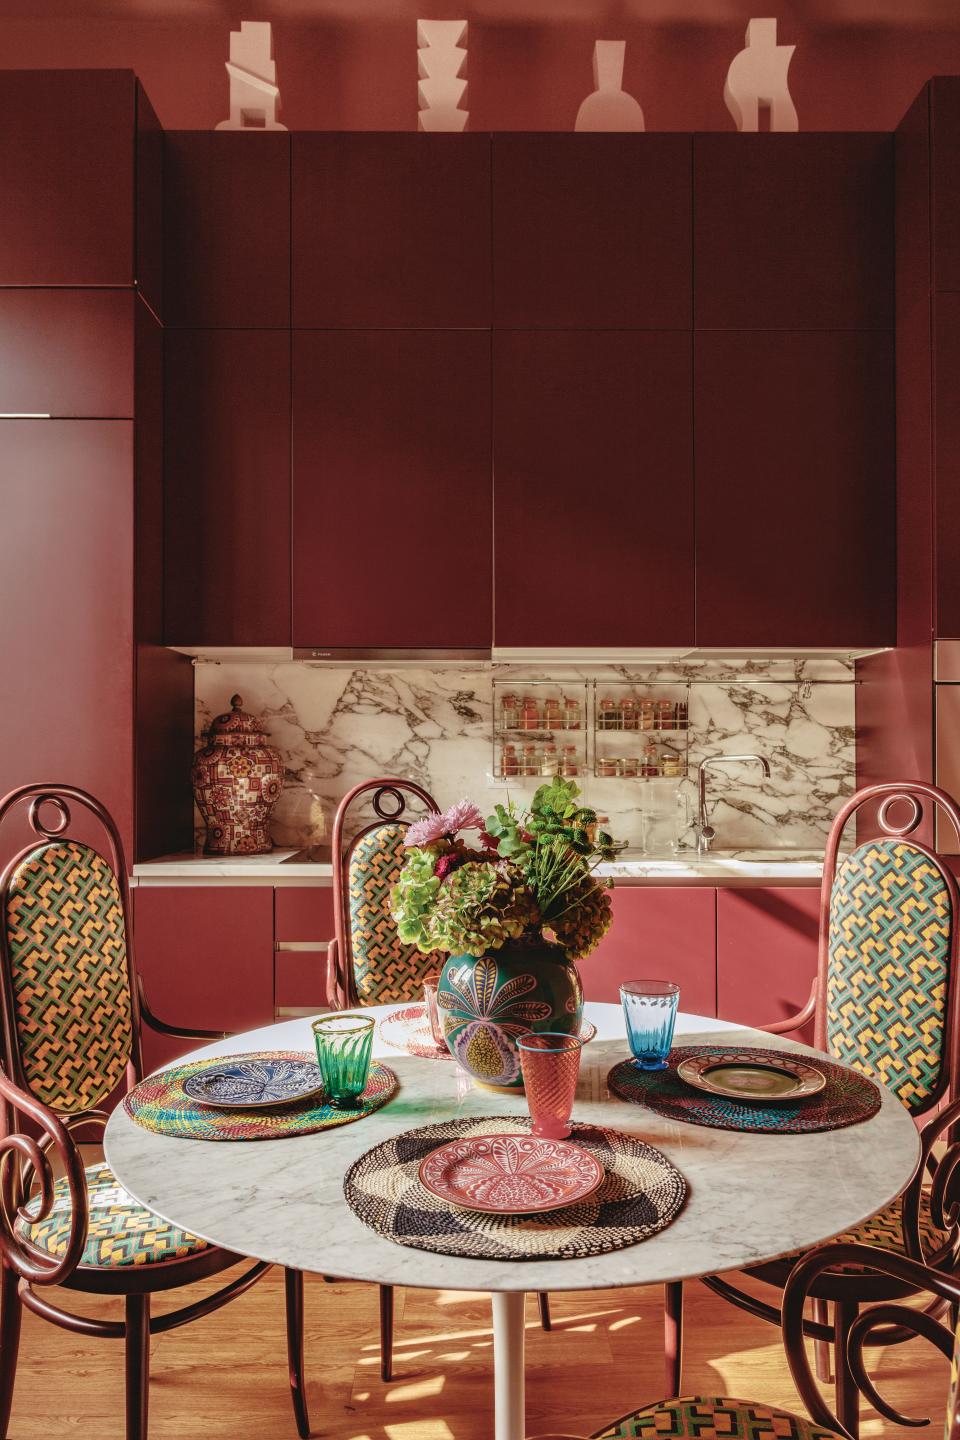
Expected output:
(21, 1158)
(943, 1174)
(162, 1028)
(795, 1022)
(883, 1262)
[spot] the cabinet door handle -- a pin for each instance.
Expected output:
(302, 945)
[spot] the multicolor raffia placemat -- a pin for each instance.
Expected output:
(847, 1098)
(409, 1029)
(642, 1192)
(160, 1103)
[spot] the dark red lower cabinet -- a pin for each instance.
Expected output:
(303, 925)
(766, 953)
(206, 957)
(658, 933)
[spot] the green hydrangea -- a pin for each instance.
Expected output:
(413, 897)
(480, 907)
(585, 920)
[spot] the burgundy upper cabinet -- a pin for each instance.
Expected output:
(227, 229)
(593, 470)
(227, 487)
(947, 462)
(66, 352)
(945, 127)
(795, 488)
(793, 231)
(390, 230)
(391, 488)
(592, 231)
(149, 201)
(76, 129)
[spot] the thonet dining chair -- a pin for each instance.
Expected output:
(693, 1417)
(367, 962)
(886, 1001)
(72, 1006)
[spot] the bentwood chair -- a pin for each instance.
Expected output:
(367, 962)
(694, 1417)
(886, 1001)
(72, 1006)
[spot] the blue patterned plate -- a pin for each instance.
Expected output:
(254, 1084)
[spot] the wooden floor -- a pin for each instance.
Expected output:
(224, 1378)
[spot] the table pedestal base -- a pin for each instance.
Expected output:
(508, 1338)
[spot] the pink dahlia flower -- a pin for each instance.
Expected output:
(462, 816)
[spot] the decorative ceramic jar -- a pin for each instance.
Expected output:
(485, 1004)
(237, 778)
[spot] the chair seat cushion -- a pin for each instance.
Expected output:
(885, 1229)
(120, 1231)
(703, 1418)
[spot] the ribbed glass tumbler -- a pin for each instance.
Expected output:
(551, 1065)
(650, 1010)
(343, 1046)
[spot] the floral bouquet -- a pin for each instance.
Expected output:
(528, 879)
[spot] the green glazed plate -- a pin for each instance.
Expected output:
(738, 1076)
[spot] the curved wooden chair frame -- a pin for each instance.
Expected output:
(26, 1173)
(847, 1290)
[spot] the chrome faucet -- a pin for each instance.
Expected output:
(703, 830)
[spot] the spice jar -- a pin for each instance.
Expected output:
(670, 763)
(605, 719)
(509, 763)
(606, 765)
(548, 760)
(682, 715)
(569, 763)
(651, 762)
(509, 713)
(645, 715)
(628, 711)
(530, 761)
(552, 714)
(571, 712)
(628, 767)
(529, 714)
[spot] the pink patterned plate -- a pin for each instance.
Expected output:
(510, 1174)
(409, 1029)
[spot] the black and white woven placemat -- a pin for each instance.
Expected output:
(642, 1193)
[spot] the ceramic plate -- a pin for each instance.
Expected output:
(736, 1075)
(587, 1031)
(254, 1084)
(510, 1174)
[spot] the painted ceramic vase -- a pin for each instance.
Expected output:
(237, 777)
(485, 1004)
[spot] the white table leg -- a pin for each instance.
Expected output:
(508, 1374)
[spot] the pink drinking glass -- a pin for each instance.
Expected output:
(550, 1063)
(430, 983)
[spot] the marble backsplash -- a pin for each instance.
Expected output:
(337, 726)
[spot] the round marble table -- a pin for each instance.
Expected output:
(752, 1197)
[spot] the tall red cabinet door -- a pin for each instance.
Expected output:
(947, 462)
(945, 181)
(227, 228)
(66, 644)
(391, 488)
(67, 352)
(391, 229)
(206, 957)
(794, 439)
(592, 230)
(149, 204)
(227, 487)
(766, 953)
(75, 128)
(593, 488)
(658, 933)
(793, 231)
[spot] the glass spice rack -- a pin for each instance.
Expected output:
(548, 727)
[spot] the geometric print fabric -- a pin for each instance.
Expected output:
(385, 970)
(120, 1231)
(68, 957)
(713, 1419)
(891, 925)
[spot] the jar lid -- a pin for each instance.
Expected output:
(236, 722)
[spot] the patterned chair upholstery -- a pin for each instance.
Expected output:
(889, 948)
(699, 1418)
(385, 971)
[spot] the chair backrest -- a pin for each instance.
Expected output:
(374, 966)
(70, 1016)
(887, 999)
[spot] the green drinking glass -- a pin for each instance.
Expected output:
(343, 1046)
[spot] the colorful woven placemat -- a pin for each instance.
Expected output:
(847, 1098)
(160, 1103)
(409, 1029)
(642, 1192)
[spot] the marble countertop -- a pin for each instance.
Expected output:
(752, 1197)
(721, 867)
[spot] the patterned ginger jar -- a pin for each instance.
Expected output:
(237, 778)
(485, 1003)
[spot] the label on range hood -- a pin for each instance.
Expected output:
(322, 652)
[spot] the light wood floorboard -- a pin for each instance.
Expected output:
(224, 1377)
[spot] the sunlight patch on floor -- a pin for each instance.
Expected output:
(419, 1430)
(415, 1389)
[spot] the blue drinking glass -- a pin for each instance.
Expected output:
(650, 1010)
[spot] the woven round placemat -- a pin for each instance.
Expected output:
(409, 1029)
(847, 1098)
(642, 1192)
(160, 1103)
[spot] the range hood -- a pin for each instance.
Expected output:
(529, 656)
